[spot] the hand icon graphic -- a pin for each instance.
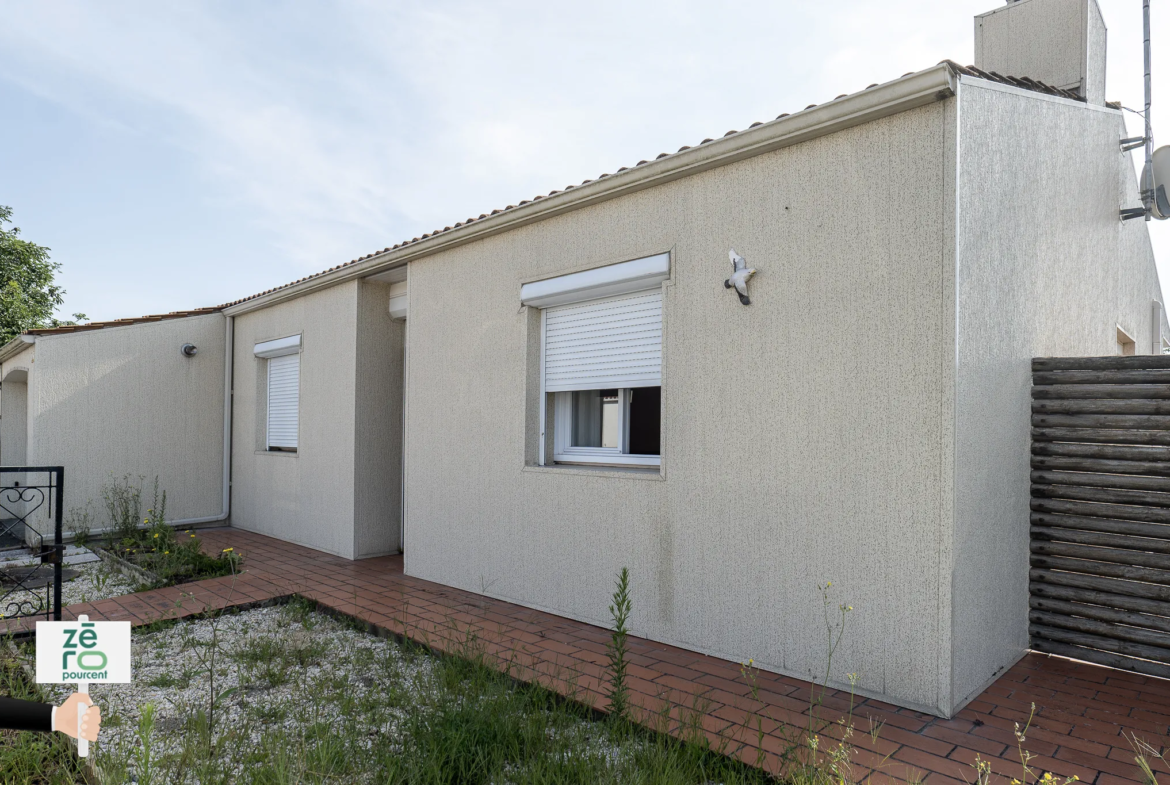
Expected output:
(65, 717)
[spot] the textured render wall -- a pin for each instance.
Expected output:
(305, 497)
(1097, 41)
(14, 424)
(1044, 268)
(125, 401)
(14, 382)
(806, 437)
(1047, 40)
(378, 424)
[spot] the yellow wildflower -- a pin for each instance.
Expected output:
(228, 550)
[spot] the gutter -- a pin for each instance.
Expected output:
(16, 346)
(908, 92)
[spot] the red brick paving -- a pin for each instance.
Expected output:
(1082, 710)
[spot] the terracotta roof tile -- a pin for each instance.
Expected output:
(157, 317)
(1024, 82)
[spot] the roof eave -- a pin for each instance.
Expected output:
(15, 347)
(908, 92)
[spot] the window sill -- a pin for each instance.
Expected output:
(625, 472)
(281, 453)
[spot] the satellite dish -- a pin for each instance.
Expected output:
(1160, 169)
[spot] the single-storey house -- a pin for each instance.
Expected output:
(529, 400)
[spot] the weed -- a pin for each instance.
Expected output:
(151, 543)
(79, 521)
(1143, 752)
(123, 500)
(619, 692)
(144, 757)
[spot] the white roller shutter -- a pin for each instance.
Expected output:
(284, 375)
(601, 344)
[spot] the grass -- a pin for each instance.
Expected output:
(315, 701)
(32, 758)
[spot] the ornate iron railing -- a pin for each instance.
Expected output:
(31, 494)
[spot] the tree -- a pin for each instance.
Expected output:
(28, 295)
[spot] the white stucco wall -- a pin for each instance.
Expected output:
(1044, 268)
(125, 401)
(339, 492)
(1058, 42)
(806, 436)
(377, 424)
(14, 378)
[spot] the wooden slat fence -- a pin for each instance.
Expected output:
(1100, 521)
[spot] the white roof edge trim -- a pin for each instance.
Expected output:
(621, 278)
(898, 95)
(278, 347)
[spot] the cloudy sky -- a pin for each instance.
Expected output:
(177, 155)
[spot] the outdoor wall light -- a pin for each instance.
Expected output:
(189, 350)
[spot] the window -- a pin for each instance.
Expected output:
(601, 363)
(618, 426)
(284, 376)
(282, 362)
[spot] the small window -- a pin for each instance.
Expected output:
(284, 376)
(1125, 343)
(613, 426)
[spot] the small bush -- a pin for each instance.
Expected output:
(153, 544)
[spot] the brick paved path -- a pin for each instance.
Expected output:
(1082, 710)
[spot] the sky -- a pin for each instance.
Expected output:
(180, 155)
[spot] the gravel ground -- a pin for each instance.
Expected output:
(95, 581)
(269, 662)
(283, 671)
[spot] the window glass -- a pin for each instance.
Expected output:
(595, 419)
(645, 420)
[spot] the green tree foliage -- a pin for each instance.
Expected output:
(28, 296)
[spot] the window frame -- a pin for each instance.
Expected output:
(279, 349)
(565, 452)
(641, 274)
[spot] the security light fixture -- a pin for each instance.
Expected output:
(189, 350)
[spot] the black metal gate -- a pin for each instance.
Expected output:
(1100, 577)
(31, 586)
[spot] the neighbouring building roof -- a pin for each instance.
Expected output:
(157, 317)
(1020, 82)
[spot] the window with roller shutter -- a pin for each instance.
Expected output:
(284, 374)
(601, 362)
(282, 358)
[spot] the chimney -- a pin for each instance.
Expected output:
(1058, 42)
